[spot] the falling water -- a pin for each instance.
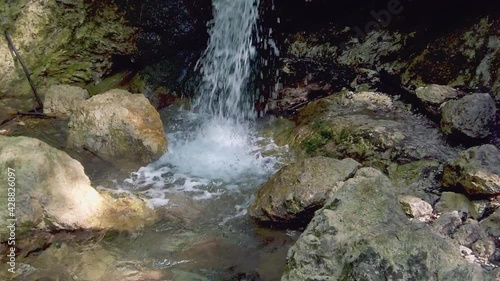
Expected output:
(216, 147)
(226, 63)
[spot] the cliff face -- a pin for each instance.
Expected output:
(62, 42)
(415, 42)
(83, 41)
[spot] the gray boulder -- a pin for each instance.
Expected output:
(477, 170)
(471, 116)
(62, 100)
(299, 189)
(432, 96)
(363, 234)
(119, 127)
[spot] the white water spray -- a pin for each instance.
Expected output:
(226, 63)
(216, 148)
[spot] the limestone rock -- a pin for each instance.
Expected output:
(471, 116)
(51, 187)
(435, 94)
(368, 127)
(53, 192)
(477, 170)
(363, 234)
(300, 188)
(62, 100)
(415, 207)
(451, 201)
(417, 178)
(119, 127)
(469, 233)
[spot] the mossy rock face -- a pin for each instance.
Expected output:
(62, 42)
(362, 233)
(369, 127)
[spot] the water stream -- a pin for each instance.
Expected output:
(216, 161)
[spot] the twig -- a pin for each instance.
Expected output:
(28, 75)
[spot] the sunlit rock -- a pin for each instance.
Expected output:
(118, 127)
(52, 192)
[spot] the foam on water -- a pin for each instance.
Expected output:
(216, 149)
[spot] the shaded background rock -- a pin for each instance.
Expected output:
(72, 43)
(471, 116)
(119, 127)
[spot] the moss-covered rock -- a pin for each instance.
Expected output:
(296, 191)
(368, 127)
(477, 170)
(363, 234)
(62, 42)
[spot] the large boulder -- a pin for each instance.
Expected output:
(62, 100)
(363, 234)
(369, 127)
(477, 170)
(299, 189)
(118, 127)
(471, 116)
(53, 192)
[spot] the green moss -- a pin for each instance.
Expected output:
(339, 143)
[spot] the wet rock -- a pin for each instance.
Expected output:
(451, 201)
(62, 100)
(471, 116)
(368, 127)
(448, 223)
(415, 207)
(417, 178)
(118, 127)
(484, 249)
(469, 233)
(491, 224)
(299, 189)
(477, 170)
(363, 234)
(53, 192)
(432, 96)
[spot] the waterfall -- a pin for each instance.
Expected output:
(226, 63)
(215, 148)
